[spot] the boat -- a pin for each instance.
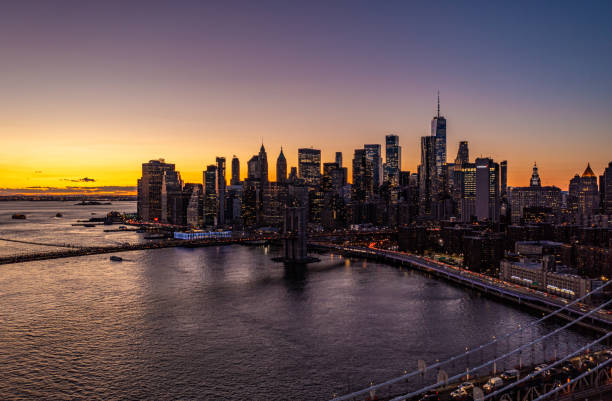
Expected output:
(116, 258)
(59, 215)
(18, 216)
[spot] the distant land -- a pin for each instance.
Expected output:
(71, 198)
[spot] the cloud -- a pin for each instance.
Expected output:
(70, 190)
(84, 179)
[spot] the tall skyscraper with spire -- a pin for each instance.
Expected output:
(438, 129)
(281, 167)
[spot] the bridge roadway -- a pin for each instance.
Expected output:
(445, 390)
(40, 243)
(168, 243)
(523, 296)
(76, 250)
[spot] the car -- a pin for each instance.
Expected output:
(509, 375)
(607, 353)
(467, 386)
(431, 395)
(544, 373)
(493, 384)
(459, 395)
(587, 362)
(569, 369)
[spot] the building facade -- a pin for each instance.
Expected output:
(309, 165)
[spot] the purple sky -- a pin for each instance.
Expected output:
(96, 88)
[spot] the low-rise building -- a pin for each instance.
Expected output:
(537, 275)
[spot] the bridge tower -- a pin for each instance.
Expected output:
(294, 233)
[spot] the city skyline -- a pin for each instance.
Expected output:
(191, 83)
(196, 176)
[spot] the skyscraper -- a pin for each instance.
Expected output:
(438, 130)
(263, 164)
(339, 159)
(503, 169)
(487, 190)
(257, 166)
(363, 181)
(171, 196)
(210, 195)
(585, 193)
(535, 177)
(374, 154)
(192, 203)
(281, 168)
(467, 191)
(253, 168)
(235, 171)
(149, 207)
(605, 189)
(427, 179)
(221, 184)
(309, 165)
(463, 154)
(393, 159)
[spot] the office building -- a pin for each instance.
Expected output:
(534, 196)
(363, 180)
(427, 176)
(503, 171)
(374, 155)
(605, 189)
(309, 166)
(438, 130)
(487, 190)
(463, 153)
(393, 160)
(281, 168)
(339, 159)
(583, 200)
(171, 198)
(149, 205)
(467, 192)
(221, 185)
(210, 195)
(193, 204)
(235, 171)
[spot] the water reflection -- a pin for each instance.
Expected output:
(228, 323)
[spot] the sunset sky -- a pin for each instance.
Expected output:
(90, 90)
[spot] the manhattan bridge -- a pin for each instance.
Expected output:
(526, 366)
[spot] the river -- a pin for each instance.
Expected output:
(228, 323)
